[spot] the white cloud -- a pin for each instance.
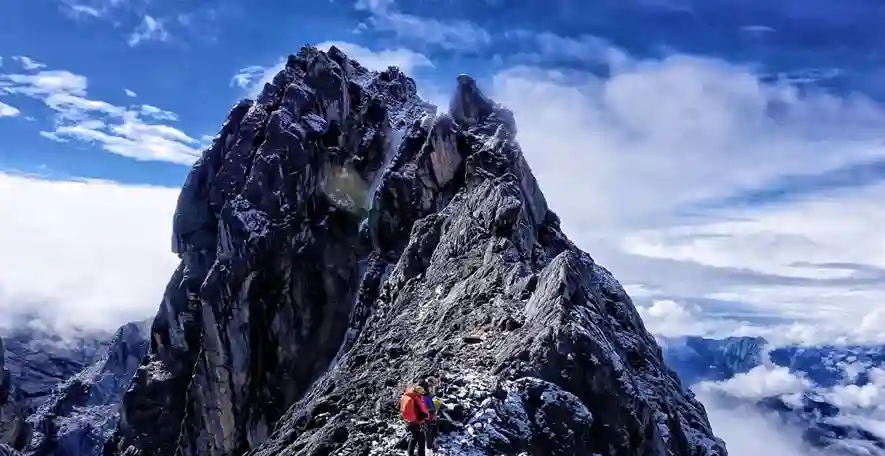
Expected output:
(149, 29)
(461, 35)
(407, 60)
(83, 253)
(731, 408)
(254, 77)
(870, 395)
(673, 126)
(138, 132)
(85, 10)
(79, 9)
(8, 111)
(668, 318)
(818, 262)
(749, 432)
(157, 113)
(546, 46)
(28, 63)
(246, 77)
(44, 83)
(760, 382)
(623, 158)
(130, 93)
(148, 20)
(758, 29)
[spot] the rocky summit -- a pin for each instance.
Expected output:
(341, 239)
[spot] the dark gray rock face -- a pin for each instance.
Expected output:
(45, 408)
(696, 358)
(339, 240)
(14, 431)
(39, 359)
(82, 412)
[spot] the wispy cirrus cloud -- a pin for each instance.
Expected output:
(8, 111)
(150, 29)
(92, 8)
(143, 21)
(28, 63)
(247, 77)
(79, 10)
(460, 34)
(141, 131)
(539, 46)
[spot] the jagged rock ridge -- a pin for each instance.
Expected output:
(40, 358)
(83, 410)
(338, 240)
(45, 409)
(14, 431)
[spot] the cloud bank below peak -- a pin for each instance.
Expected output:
(90, 254)
(657, 166)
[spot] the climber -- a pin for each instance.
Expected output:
(414, 412)
(430, 426)
(432, 404)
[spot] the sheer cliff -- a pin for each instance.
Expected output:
(14, 431)
(340, 239)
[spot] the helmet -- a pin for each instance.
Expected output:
(419, 389)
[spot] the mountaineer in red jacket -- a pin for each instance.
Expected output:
(414, 412)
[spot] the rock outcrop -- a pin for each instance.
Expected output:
(14, 431)
(47, 407)
(82, 412)
(39, 359)
(696, 358)
(338, 240)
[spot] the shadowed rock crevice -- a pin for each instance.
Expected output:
(340, 239)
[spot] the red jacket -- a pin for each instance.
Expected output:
(412, 407)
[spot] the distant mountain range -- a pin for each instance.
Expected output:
(62, 394)
(69, 390)
(831, 374)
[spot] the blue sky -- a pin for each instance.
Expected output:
(722, 157)
(180, 55)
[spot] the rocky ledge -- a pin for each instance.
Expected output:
(340, 239)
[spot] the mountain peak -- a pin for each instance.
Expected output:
(339, 240)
